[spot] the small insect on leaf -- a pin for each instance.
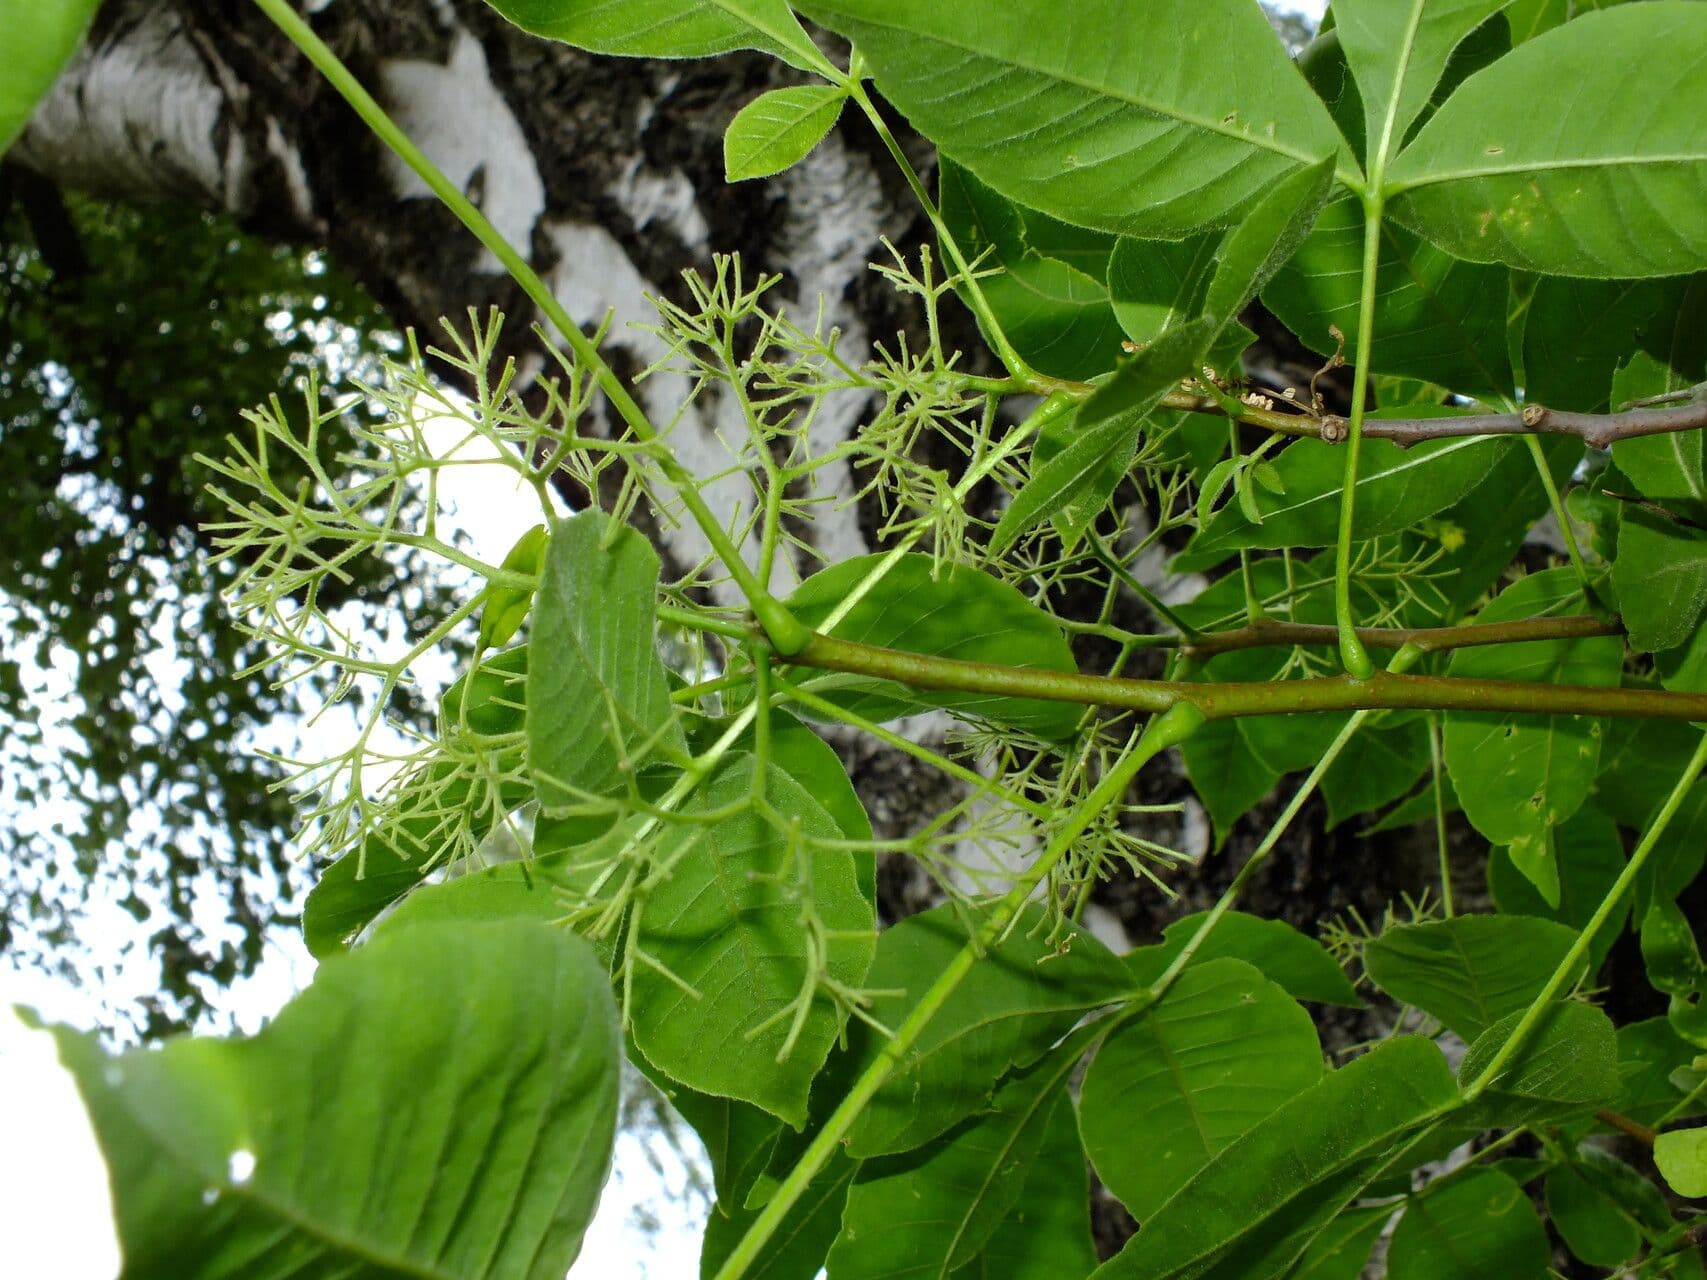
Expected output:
(507, 607)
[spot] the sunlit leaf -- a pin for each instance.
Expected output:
(776, 130)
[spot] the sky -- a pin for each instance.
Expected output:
(55, 1212)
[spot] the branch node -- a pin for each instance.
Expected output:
(1534, 415)
(1334, 429)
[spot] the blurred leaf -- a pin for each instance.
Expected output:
(1474, 1226)
(319, 1146)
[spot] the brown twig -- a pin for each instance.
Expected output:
(1599, 430)
(1624, 1124)
(1218, 701)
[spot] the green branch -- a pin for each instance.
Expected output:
(1219, 701)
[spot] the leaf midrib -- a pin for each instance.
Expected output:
(1541, 166)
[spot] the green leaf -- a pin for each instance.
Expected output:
(813, 763)
(722, 916)
(1341, 1251)
(1384, 766)
(668, 28)
(1470, 971)
(1226, 774)
(1046, 278)
(1437, 317)
(1588, 189)
(1106, 433)
(1682, 1159)
(1594, 1226)
(1493, 532)
(1638, 768)
(1047, 1233)
(40, 40)
(1660, 574)
(777, 129)
(1650, 1053)
(1016, 1001)
(439, 1103)
(1576, 333)
(1256, 1206)
(1472, 1227)
(929, 1211)
(1254, 249)
(1116, 119)
(1660, 577)
(1669, 951)
(1396, 487)
(1156, 285)
(1667, 467)
(1297, 964)
(1529, 18)
(1397, 51)
(1223, 1049)
(490, 699)
(1590, 858)
(507, 607)
(957, 613)
(353, 891)
(1568, 1066)
(1519, 776)
(602, 702)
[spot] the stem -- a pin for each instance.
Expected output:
(974, 293)
(1434, 758)
(1383, 690)
(953, 768)
(1161, 732)
(1352, 653)
(1152, 601)
(1538, 1007)
(785, 632)
(1559, 515)
(695, 620)
(1625, 1125)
